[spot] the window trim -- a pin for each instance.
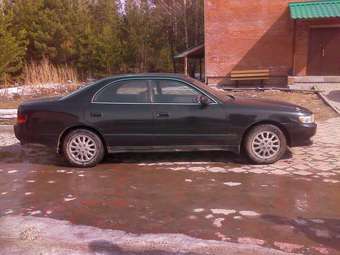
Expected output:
(150, 102)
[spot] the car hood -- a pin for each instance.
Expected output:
(266, 104)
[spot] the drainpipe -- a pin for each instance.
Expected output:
(294, 48)
(186, 65)
(200, 69)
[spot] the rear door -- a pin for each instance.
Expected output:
(122, 113)
(180, 120)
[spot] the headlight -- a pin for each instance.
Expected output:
(307, 119)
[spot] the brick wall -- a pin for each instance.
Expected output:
(248, 34)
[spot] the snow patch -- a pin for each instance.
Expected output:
(9, 211)
(218, 222)
(216, 170)
(196, 168)
(330, 181)
(35, 212)
(69, 198)
(223, 211)
(249, 213)
(8, 113)
(232, 184)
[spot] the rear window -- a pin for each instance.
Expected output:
(87, 86)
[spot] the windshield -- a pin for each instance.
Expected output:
(219, 93)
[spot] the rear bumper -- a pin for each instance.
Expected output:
(301, 135)
(19, 134)
(26, 135)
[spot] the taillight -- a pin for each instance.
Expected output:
(21, 119)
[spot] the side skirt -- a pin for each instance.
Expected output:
(193, 148)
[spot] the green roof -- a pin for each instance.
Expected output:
(315, 9)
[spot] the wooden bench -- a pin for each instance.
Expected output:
(248, 75)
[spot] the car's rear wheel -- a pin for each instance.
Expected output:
(265, 144)
(83, 148)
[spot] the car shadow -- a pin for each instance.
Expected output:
(321, 230)
(38, 154)
(108, 248)
(196, 156)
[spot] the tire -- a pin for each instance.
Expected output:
(83, 148)
(265, 144)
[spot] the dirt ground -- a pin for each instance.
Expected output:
(311, 101)
(14, 101)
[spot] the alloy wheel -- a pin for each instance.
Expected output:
(266, 145)
(82, 148)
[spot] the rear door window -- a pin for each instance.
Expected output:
(131, 92)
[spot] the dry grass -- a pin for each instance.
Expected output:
(45, 72)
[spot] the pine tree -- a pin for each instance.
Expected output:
(100, 44)
(99, 37)
(12, 47)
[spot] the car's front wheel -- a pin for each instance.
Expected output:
(83, 148)
(265, 144)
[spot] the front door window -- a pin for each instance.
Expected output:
(174, 92)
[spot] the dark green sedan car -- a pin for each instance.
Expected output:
(161, 112)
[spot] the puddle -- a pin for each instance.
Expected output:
(146, 199)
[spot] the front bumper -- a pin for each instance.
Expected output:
(301, 134)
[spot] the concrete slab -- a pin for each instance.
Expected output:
(331, 95)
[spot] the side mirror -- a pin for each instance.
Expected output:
(204, 100)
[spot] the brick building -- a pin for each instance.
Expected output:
(288, 38)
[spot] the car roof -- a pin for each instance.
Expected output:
(105, 81)
(140, 75)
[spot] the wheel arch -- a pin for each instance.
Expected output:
(266, 122)
(70, 129)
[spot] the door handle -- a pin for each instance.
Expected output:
(96, 114)
(162, 115)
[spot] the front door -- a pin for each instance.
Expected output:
(180, 120)
(324, 52)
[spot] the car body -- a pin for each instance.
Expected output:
(159, 112)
